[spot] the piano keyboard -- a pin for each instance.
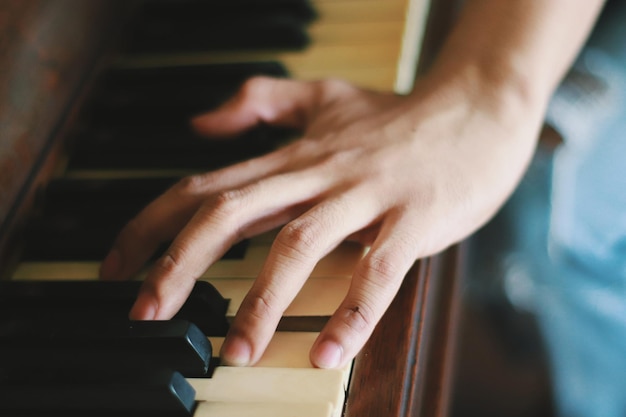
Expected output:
(371, 43)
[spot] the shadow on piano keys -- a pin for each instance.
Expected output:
(98, 166)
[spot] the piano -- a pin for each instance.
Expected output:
(72, 71)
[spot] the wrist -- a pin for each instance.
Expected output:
(503, 91)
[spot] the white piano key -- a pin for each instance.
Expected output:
(229, 409)
(287, 350)
(318, 296)
(272, 385)
(71, 270)
(340, 262)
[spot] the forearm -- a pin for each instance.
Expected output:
(521, 48)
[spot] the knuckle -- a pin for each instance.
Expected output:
(358, 318)
(228, 201)
(335, 85)
(135, 229)
(190, 185)
(301, 235)
(261, 305)
(171, 263)
(331, 88)
(382, 268)
(254, 86)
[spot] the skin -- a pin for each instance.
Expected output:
(406, 175)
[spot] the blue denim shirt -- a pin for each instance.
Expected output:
(581, 304)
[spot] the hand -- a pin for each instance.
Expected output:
(407, 176)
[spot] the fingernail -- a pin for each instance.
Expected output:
(145, 308)
(236, 351)
(110, 267)
(327, 355)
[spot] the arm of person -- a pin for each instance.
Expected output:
(406, 175)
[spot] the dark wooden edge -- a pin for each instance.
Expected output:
(84, 59)
(437, 345)
(405, 369)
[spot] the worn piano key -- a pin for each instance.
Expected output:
(99, 300)
(46, 342)
(79, 392)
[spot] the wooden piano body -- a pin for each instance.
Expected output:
(51, 51)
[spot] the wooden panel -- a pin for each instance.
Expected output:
(405, 368)
(46, 48)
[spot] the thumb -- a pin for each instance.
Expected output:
(261, 100)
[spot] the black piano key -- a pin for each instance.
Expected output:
(175, 138)
(179, 9)
(159, 108)
(171, 95)
(206, 26)
(140, 119)
(245, 33)
(46, 242)
(191, 88)
(78, 392)
(221, 74)
(201, 156)
(101, 344)
(81, 196)
(178, 83)
(87, 236)
(174, 148)
(78, 219)
(100, 300)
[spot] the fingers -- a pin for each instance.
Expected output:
(162, 219)
(219, 223)
(296, 250)
(261, 99)
(279, 102)
(375, 282)
(141, 237)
